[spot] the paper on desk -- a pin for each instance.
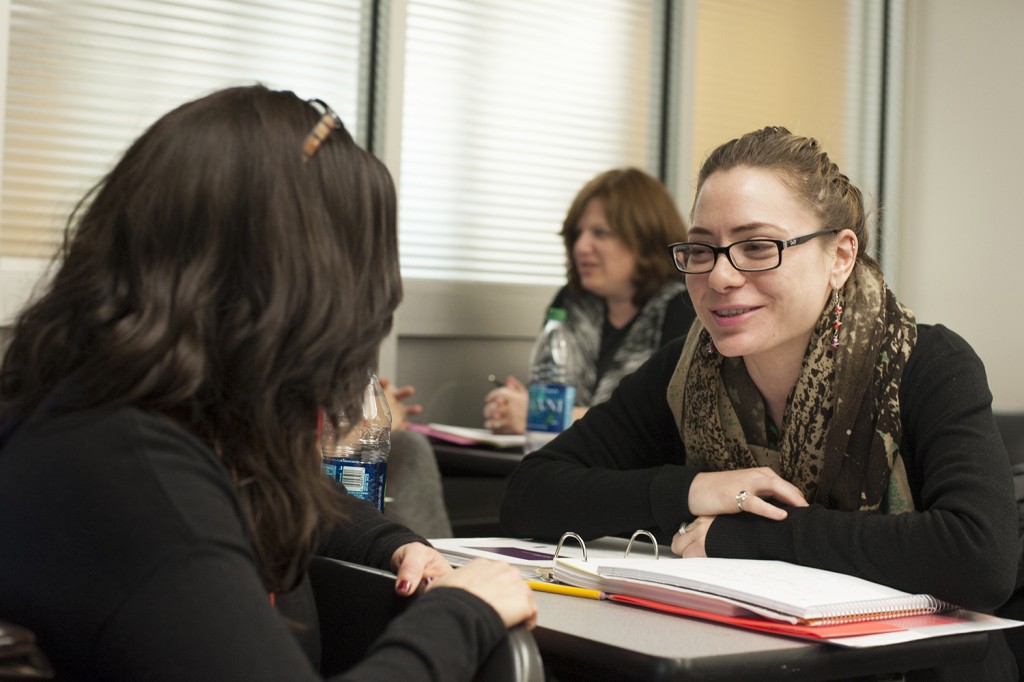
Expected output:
(811, 595)
(532, 558)
(585, 574)
(935, 625)
(852, 635)
(463, 435)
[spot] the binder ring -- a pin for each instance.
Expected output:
(577, 538)
(569, 535)
(645, 533)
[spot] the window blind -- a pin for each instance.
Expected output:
(85, 78)
(508, 109)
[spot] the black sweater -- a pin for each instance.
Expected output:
(125, 550)
(623, 467)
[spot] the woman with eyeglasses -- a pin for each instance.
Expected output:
(623, 300)
(808, 417)
(161, 490)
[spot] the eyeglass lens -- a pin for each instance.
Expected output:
(750, 255)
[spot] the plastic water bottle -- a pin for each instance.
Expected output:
(358, 459)
(551, 395)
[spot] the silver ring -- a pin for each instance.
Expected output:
(682, 528)
(740, 498)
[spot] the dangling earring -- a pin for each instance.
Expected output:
(709, 346)
(837, 322)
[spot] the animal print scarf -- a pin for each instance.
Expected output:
(840, 434)
(585, 317)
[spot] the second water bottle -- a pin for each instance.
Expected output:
(358, 459)
(552, 395)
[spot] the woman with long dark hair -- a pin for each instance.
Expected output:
(160, 480)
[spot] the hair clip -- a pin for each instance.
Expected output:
(321, 131)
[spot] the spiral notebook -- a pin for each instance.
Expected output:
(772, 589)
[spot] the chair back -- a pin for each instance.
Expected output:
(1011, 428)
(355, 604)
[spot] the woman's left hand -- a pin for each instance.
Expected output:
(732, 492)
(689, 541)
(396, 402)
(414, 563)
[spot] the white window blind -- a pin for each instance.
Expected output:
(86, 77)
(509, 108)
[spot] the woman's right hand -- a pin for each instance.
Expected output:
(505, 407)
(743, 490)
(498, 584)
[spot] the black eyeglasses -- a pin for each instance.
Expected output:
(750, 255)
(320, 132)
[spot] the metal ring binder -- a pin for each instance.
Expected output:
(572, 536)
(649, 536)
(569, 535)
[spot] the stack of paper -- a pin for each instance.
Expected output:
(778, 597)
(777, 589)
(533, 559)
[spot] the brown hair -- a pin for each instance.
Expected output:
(642, 214)
(218, 280)
(806, 169)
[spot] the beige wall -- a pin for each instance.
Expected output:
(961, 233)
(752, 70)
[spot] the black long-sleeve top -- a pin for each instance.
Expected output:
(623, 467)
(125, 550)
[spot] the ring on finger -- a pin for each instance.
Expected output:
(682, 528)
(740, 499)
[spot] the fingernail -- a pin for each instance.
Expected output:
(404, 586)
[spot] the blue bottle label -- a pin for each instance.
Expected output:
(365, 480)
(550, 407)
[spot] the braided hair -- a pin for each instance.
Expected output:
(803, 166)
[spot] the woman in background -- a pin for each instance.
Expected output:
(807, 418)
(623, 300)
(160, 478)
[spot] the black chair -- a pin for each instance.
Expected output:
(1011, 428)
(371, 593)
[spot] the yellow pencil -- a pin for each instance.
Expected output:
(565, 589)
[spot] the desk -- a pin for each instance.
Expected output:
(589, 639)
(600, 640)
(473, 480)
(465, 460)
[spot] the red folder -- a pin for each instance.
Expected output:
(867, 627)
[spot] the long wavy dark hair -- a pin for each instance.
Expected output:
(214, 277)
